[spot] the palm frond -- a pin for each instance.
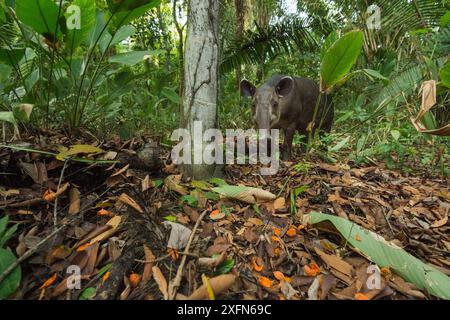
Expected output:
(284, 36)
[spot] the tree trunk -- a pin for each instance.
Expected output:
(201, 77)
(239, 4)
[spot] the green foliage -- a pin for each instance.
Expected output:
(340, 58)
(7, 258)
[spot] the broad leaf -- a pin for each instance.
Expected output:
(12, 282)
(340, 58)
(386, 254)
(41, 15)
(445, 75)
(8, 116)
(78, 32)
(11, 57)
(125, 11)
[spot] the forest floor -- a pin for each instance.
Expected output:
(127, 230)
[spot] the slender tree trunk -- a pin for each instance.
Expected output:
(162, 26)
(201, 79)
(180, 31)
(239, 4)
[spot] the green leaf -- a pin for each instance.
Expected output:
(3, 224)
(126, 11)
(133, 57)
(340, 145)
(445, 75)
(8, 116)
(225, 267)
(12, 282)
(329, 41)
(87, 22)
(87, 294)
(396, 134)
(5, 72)
(340, 58)
(122, 34)
(375, 74)
(41, 15)
(170, 218)
(219, 182)
(104, 270)
(386, 254)
(170, 94)
(7, 235)
(445, 20)
(190, 200)
(158, 183)
(11, 57)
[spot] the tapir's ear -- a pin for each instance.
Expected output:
(248, 90)
(285, 86)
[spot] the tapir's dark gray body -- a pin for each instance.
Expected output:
(288, 103)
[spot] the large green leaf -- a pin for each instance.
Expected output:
(386, 254)
(5, 72)
(11, 57)
(126, 11)
(133, 57)
(340, 58)
(445, 75)
(12, 282)
(75, 36)
(8, 116)
(123, 33)
(41, 15)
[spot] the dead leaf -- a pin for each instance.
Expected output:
(161, 281)
(179, 235)
(126, 199)
(74, 198)
(218, 285)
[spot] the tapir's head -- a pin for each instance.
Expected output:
(268, 100)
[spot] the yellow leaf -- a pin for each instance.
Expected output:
(208, 287)
(76, 150)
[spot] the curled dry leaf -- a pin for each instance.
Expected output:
(245, 194)
(74, 196)
(218, 285)
(126, 199)
(179, 235)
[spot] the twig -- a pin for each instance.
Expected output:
(175, 283)
(55, 208)
(165, 257)
(30, 252)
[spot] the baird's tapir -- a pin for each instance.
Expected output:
(288, 103)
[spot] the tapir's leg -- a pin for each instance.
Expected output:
(287, 146)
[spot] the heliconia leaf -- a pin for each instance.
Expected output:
(387, 254)
(340, 58)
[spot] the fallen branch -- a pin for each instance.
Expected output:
(175, 283)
